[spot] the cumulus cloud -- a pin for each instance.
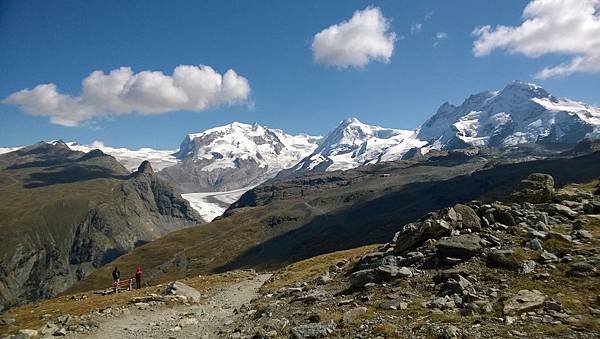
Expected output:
(355, 42)
(563, 27)
(121, 91)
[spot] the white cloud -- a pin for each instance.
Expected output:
(439, 36)
(355, 42)
(122, 91)
(563, 27)
(416, 28)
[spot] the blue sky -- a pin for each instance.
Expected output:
(269, 44)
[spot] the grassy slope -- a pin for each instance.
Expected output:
(360, 208)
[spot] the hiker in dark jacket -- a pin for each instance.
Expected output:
(116, 275)
(138, 277)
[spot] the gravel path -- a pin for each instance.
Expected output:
(205, 320)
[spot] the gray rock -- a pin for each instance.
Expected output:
(450, 332)
(314, 330)
(468, 217)
(354, 314)
(581, 269)
(524, 300)
(502, 259)
(583, 234)
(7, 321)
(461, 246)
(535, 244)
(526, 266)
(562, 210)
(405, 272)
(26, 333)
(360, 278)
(503, 216)
(548, 257)
(537, 188)
(181, 289)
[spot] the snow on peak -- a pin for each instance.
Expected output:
(519, 113)
(225, 146)
(129, 158)
(354, 143)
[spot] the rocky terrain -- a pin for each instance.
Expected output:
(526, 268)
(66, 213)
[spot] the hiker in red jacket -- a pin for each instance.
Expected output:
(138, 277)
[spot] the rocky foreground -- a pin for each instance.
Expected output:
(529, 268)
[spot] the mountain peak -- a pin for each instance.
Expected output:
(521, 112)
(145, 168)
(518, 87)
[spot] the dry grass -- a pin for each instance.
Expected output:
(33, 315)
(309, 269)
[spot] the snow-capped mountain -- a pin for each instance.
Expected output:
(129, 158)
(519, 113)
(354, 143)
(234, 156)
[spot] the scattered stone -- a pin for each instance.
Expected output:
(315, 330)
(461, 246)
(468, 217)
(324, 279)
(7, 321)
(562, 210)
(27, 333)
(450, 332)
(535, 244)
(360, 278)
(524, 300)
(583, 234)
(180, 289)
(581, 269)
(526, 267)
(354, 314)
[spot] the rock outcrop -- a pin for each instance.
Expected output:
(68, 213)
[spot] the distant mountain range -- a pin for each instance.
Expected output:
(238, 156)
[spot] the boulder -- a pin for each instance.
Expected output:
(502, 259)
(562, 210)
(460, 246)
(537, 188)
(360, 278)
(524, 300)
(313, 330)
(180, 289)
(503, 216)
(468, 217)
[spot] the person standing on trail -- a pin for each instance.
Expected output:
(116, 275)
(138, 277)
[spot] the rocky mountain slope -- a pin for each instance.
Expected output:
(235, 156)
(65, 213)
(525, 267)
(288, 220)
